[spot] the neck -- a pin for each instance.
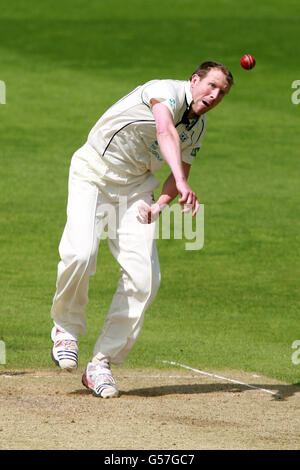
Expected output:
(191, 114)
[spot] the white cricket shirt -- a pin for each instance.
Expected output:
(125, 136)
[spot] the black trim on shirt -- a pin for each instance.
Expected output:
(201, 132)
(121, 128)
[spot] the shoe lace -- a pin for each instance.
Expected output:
(101, 375)
(68, 344)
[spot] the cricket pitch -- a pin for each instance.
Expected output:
(158, 409)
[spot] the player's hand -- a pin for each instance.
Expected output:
(188, 198)
(148, 214)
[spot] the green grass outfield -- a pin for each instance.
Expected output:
(235, 303)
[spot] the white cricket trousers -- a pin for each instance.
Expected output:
(133, 246)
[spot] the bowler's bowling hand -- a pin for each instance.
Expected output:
(188, 198)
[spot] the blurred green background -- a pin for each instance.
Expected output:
(235, 303)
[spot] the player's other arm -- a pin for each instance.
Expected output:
(169, 192)
(169, 143)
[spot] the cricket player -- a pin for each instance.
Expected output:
(111, 183)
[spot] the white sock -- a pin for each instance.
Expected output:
(103, 361)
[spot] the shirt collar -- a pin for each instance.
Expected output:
(188, 94)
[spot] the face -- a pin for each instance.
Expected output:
(208, 92)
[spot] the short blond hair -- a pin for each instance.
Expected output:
(203, 69)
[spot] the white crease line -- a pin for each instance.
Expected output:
(222, 378)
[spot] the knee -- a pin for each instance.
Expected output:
(80, 261)
(144, 284)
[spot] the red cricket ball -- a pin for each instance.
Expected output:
(247, 61)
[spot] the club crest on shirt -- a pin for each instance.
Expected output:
(172, 102)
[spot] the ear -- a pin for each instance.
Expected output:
(195, 79)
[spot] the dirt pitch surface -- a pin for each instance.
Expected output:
(163, 409)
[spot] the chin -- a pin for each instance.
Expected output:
(202, 111)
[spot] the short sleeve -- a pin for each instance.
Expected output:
(162, 91)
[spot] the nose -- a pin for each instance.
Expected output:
(215, 93)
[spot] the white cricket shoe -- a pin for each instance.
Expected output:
(99, 379)
(65, 350)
